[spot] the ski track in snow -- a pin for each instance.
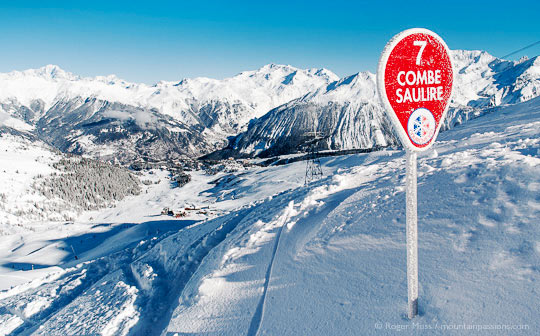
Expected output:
(259, 312)
(155, 320)
(295, 243)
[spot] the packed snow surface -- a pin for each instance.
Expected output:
(276, 257)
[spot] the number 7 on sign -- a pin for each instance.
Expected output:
(422, 45)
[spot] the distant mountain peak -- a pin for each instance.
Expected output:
(275, 66)
(289, 69)
(51, 71)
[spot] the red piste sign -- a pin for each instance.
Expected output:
(415, 79)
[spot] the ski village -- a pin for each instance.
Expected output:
(279, 201)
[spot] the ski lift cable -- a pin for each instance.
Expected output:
(521, 49)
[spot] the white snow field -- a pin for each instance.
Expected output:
(276, 257)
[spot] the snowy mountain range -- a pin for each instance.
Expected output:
(349, 114)
(107, 116)
(256, 113)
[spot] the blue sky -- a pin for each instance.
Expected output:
(170, 40)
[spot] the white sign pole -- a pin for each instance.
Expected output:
(415, 78)
(412, 235)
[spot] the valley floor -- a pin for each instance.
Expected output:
(275, 257)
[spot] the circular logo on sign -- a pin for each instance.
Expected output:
(421, 126)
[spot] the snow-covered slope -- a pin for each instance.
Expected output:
(189, 117)
(40, 184)
(322, 259)
(21, 161)
(484, 80)
(349, 114)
